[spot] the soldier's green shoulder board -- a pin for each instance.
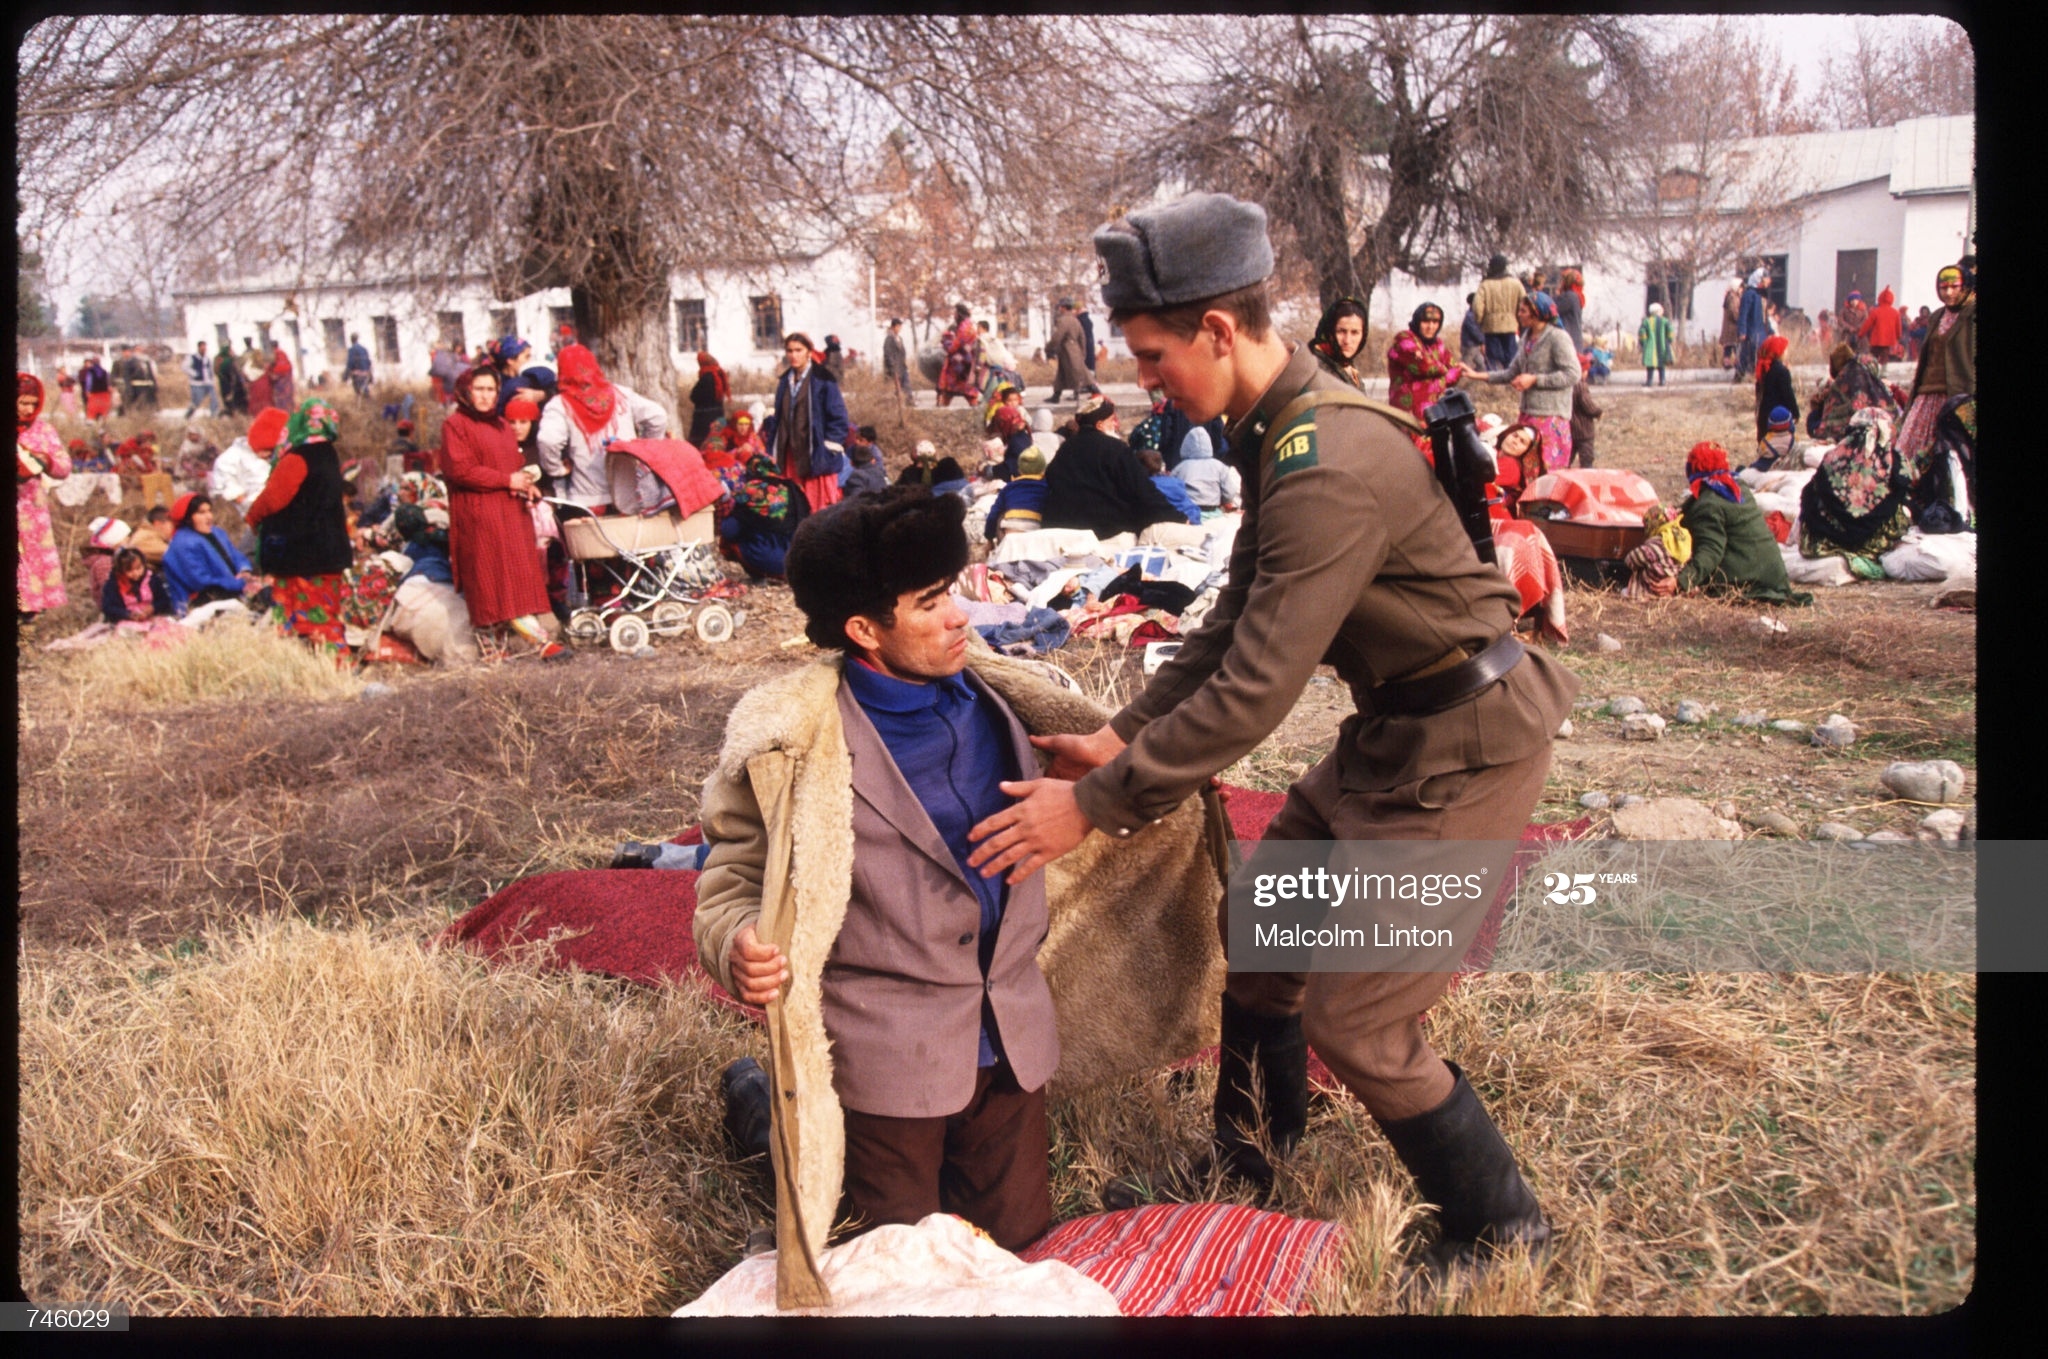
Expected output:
(1295, 447)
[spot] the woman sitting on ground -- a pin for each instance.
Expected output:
(201, 566)
(1340, 339)
(1518, 459)
(302, 530)
(1854, 383)
(1733, 548)
(766, 509)
(1773, 384)
(1855, 505)
(133, 593)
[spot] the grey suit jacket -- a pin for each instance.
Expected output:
(902, 985)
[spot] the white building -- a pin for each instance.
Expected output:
(1879, 207)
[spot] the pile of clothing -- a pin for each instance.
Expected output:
(1041, 587)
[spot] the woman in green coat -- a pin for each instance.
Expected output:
(1732, 547)
(1653, 337)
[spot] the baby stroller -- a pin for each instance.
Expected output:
(654, 569)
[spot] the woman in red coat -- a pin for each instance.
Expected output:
(491, 545)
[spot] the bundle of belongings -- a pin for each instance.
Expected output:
(1041, 586)
(1592, 518)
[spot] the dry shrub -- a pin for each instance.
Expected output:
(309, 1122)
(227, 659)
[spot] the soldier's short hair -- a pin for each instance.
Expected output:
(1250, 306)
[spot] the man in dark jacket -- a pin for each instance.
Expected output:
(1097, 483)
(896, 362)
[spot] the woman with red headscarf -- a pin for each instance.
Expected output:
(708, 397)
(38, 452)
(497, 564)
(590, 412)
(1733, 548)
(1774, 385)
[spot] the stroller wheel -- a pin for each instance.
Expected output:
(586, 627)
(669, 618)
(714, 623)
(629, 633)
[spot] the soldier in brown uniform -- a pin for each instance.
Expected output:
(1350, 554)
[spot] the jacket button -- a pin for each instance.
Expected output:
(966, 938)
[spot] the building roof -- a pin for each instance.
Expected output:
(1811, 163)
(1934, 155)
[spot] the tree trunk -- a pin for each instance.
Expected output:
(629, 336)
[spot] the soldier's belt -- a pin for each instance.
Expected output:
(1447, 688)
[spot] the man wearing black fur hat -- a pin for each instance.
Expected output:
(917, 997)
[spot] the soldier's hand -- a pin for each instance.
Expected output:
(759, 970)
(1074, 756)
(1045, 823)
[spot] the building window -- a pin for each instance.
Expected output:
(452, 335)
(767, 321)
(562, 320)
(692, 333)
(386, 330)
(504, 321)
(1671, 284)
(222, 338)
(335, 331)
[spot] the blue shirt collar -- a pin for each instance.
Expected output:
(873, 689)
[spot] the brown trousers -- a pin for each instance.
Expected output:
(1366, 1026)
(990, 1163)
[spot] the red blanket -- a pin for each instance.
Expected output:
(1197, 1259)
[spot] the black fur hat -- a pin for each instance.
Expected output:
(858, 556)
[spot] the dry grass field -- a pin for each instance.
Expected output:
(248, 1087)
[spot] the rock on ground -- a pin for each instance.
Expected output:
(1947, 823)
(1836, 830)
(1642, 727)
(1924, 780)
(1594, 802)
(1887, 837)
(1565, 729)
(1626, 705)
(1606, 643)
(1672, 818)
(1630, 800)
(1837, 733)
(1751, 719)
(1777, 823)
(1691, 711)
(1788, 724)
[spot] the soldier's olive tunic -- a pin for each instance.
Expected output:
(1350, 554)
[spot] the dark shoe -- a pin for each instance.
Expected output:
(1280, 1053)
(633, 854)
(1462, 1164)
(747, 1118)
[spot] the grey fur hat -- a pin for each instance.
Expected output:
(1196, 247)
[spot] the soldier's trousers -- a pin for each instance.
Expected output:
(1366, 1026)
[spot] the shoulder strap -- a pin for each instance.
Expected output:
(1308, 401)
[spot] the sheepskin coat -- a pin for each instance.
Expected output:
(1131, 955)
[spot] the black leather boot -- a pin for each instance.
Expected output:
(1280, 1053)
(1462, 1164)
(747, 1118)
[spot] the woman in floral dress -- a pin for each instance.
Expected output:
(1420, 367)
(38, 452)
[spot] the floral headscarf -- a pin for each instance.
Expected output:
(1423, 313)
(313, 422)
(588, 392)
(1544, 306)
(763, 491)
(1707, 465)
